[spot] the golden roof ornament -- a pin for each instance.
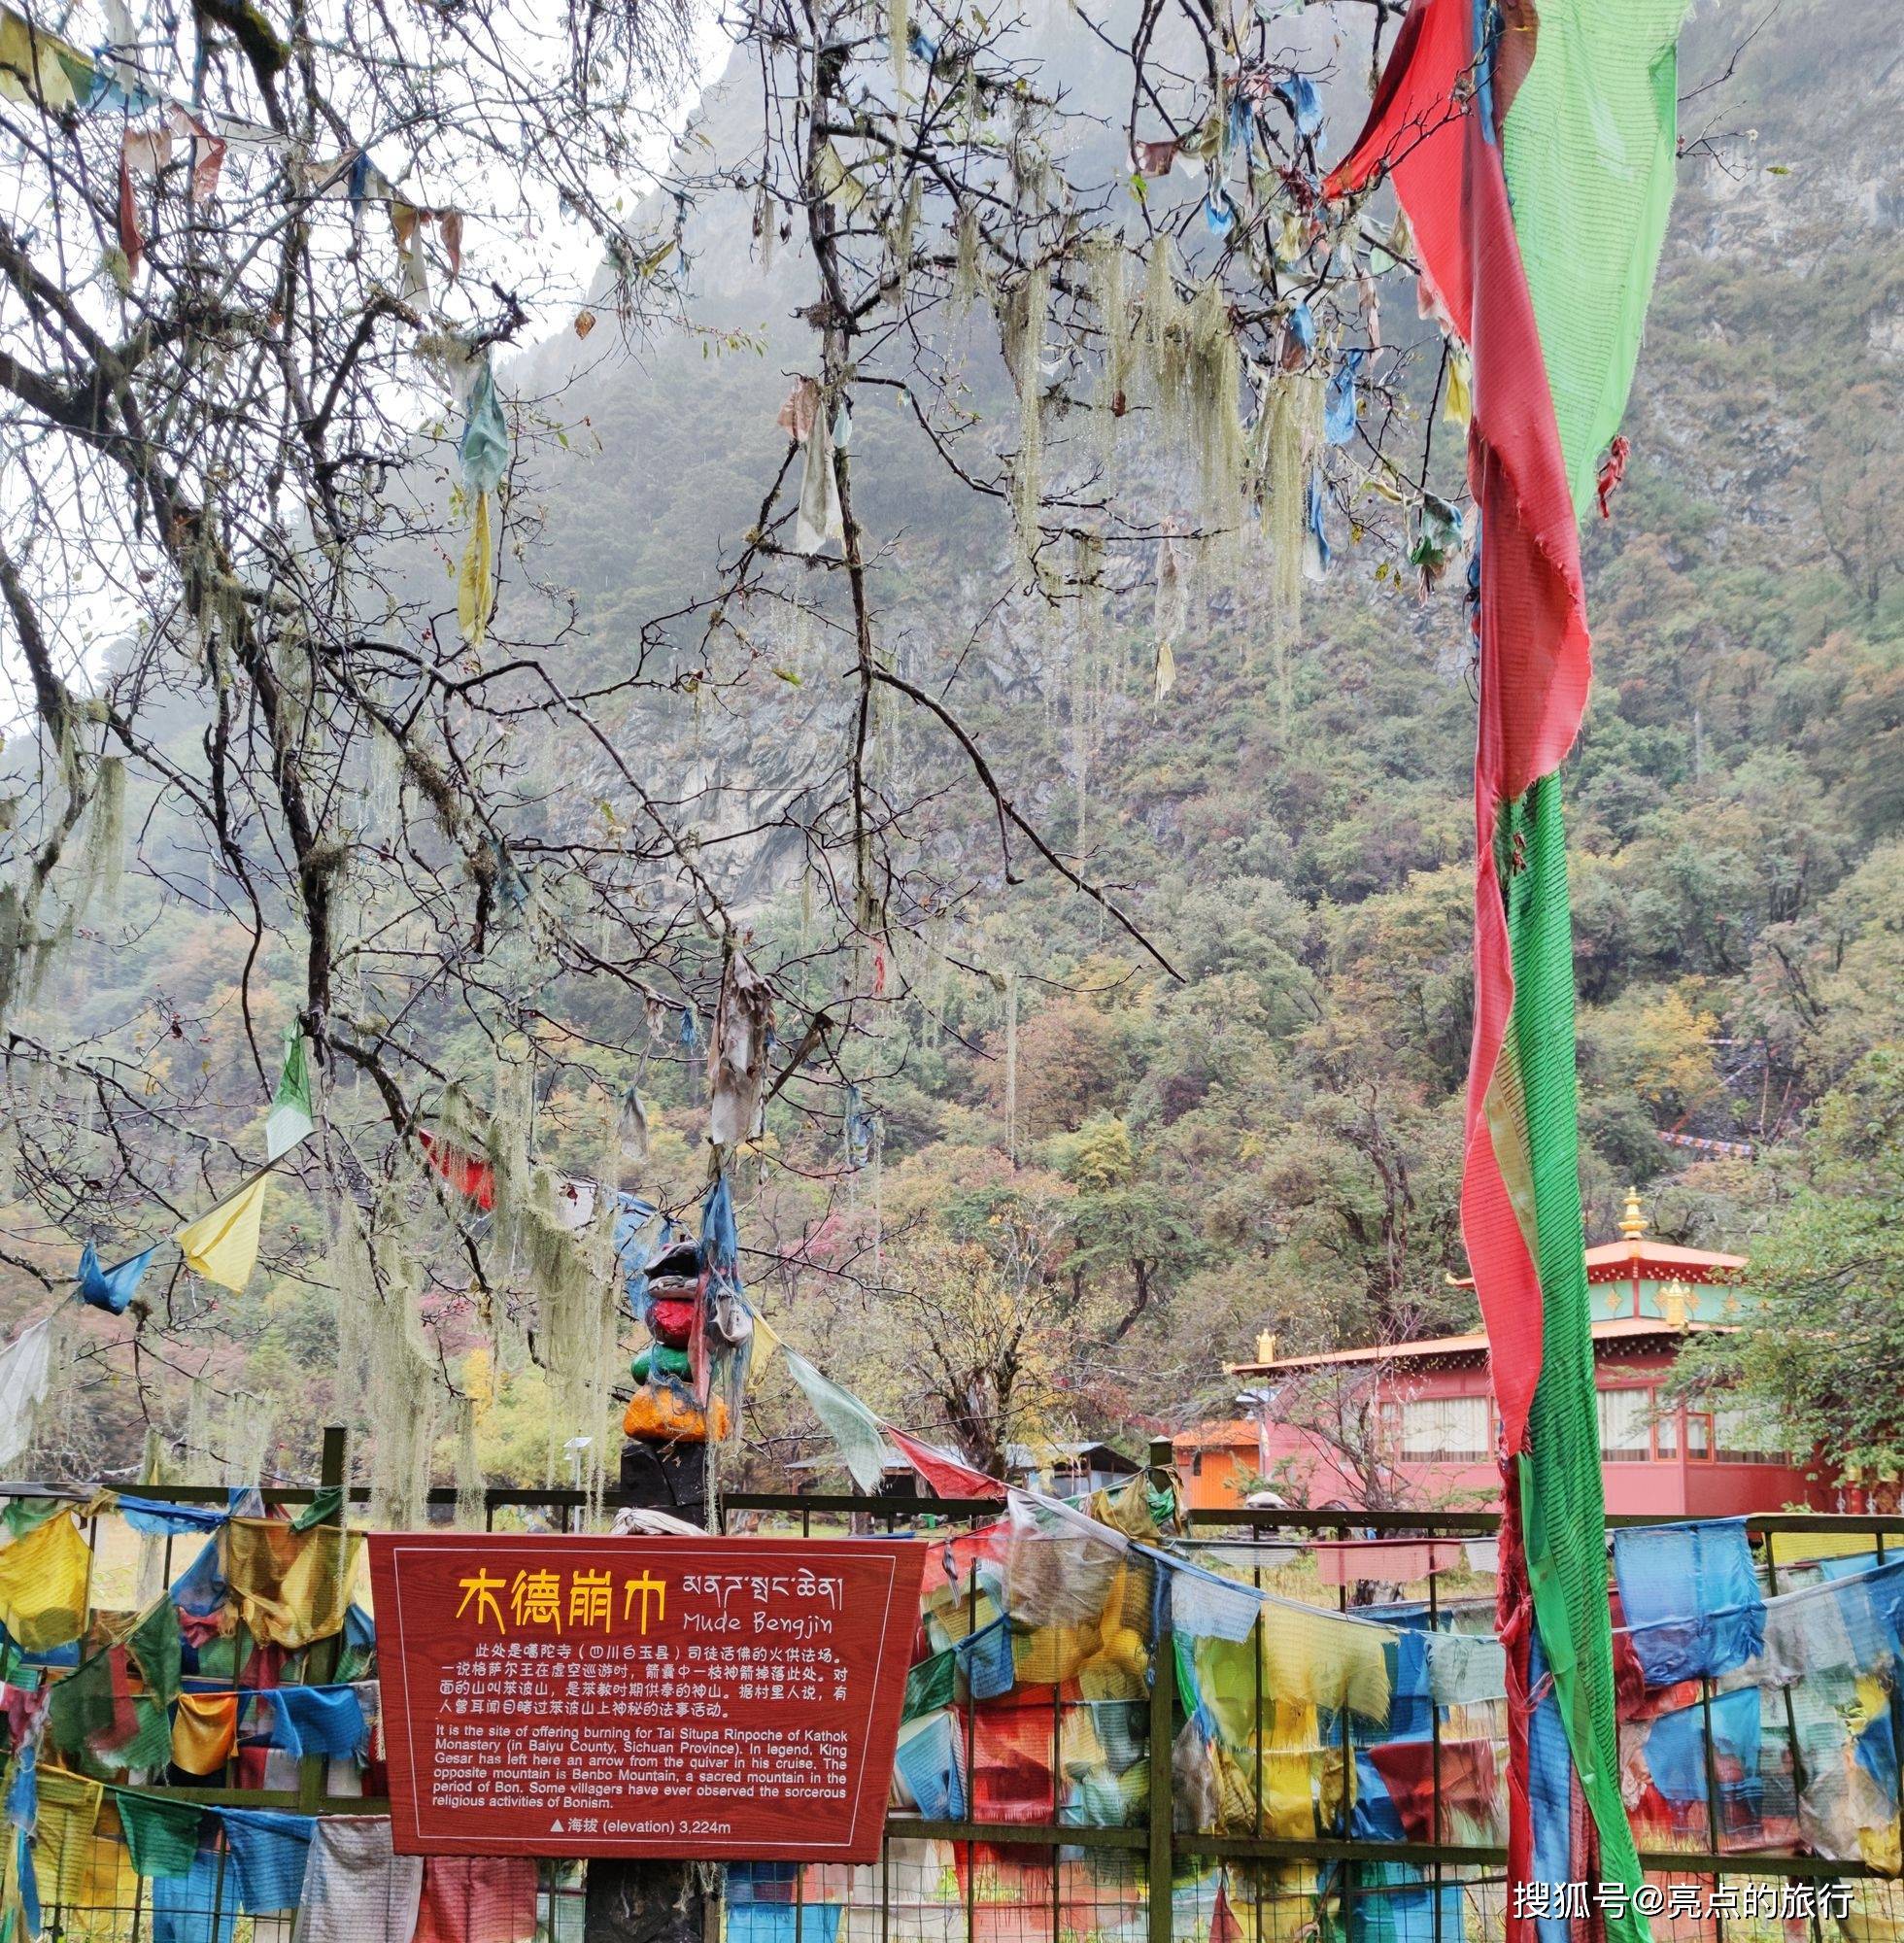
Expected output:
(1633, 1224)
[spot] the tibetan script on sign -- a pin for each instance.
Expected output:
(642, 1696)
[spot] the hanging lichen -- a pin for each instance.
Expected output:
(471, 1509)
(900, 233)
(383, 1359)
(509, 1141)
(574, 1273)
(1117, 368)
(103, 853)
(198, 1437)
(968, 271)
(898, 35)
(1022, 319)
(1214, 376)
(1288, 425)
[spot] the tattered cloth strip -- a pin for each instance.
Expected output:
(820, 515)
(290, 1587)
(357, 1890)
(43, 1584)
(222, 1245)
(1326, 1660)
(1204, 1604)
(1441, 1790)
(927, 1767)
(851, 1425)
(1844, 1625)
(325, 1720)
(183, 1906)
(62, 1836)
(474, 1180)
(484, 455)
(1691, 1597)
(1676, 1745)
(23, 1368)
(1395, 1562)
(112, 1289)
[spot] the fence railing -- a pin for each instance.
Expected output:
(1069, 1796)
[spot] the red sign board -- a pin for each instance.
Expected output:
(736, 1698)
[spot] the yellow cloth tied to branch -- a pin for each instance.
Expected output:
(290, 1587)
(43, 1584)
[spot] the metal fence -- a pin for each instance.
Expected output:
(1283, 1856)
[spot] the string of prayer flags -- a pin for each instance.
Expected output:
(222, 1245)
(290, 1122)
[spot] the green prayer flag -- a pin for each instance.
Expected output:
(326, 1508)
(161, 1831)
(290, 1118)
(930, 1684)
(1588, 151)
(155, 1646)
(848, 1422)
(81, 1705)
(23, 1515)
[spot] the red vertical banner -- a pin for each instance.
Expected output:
(732, 1698)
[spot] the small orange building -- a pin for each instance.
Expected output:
(1414, 1424)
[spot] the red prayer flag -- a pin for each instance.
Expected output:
(474, 1180)
(949, 1476)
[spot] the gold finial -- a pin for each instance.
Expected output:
(1266, 1345)
(1633, 1224)
(1676, 1304)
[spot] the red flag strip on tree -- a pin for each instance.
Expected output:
(1533, 155)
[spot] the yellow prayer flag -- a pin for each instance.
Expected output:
(765, 1341)
(62, 1837)
(222, 1245)
(43, 1584)
(31, 65)
(1458, 401)
(475, 578)
(290, 1587)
